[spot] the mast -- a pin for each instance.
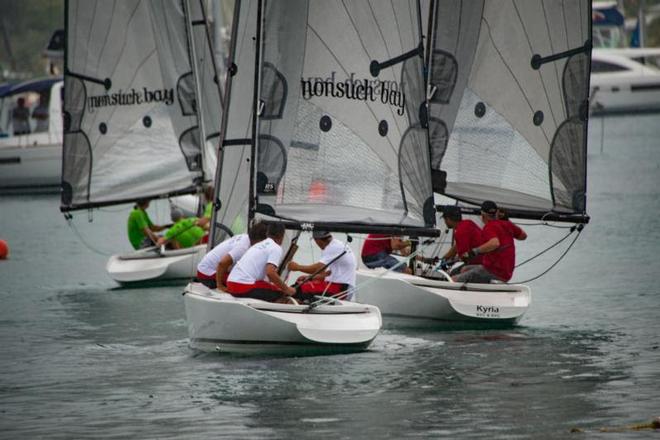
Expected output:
(192, 54)
(223, 124)
(253, 202)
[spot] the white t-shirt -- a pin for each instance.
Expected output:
(342, 270)
(252, 266)
(235, 246)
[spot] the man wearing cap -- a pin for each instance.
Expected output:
(334, 272)
(467, 235)
(214, 268)
(498, 249)
(255, 275)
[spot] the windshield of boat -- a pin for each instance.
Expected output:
(24, 112)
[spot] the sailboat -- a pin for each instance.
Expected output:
(133, 129)
(321, 145)
(508, 89)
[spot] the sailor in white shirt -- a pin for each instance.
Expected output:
(255, 275)
(334, 273)
(213, 269)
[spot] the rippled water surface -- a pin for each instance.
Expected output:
(82, 358)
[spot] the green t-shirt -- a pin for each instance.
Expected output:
(138, 219)
(185, 233)
(208, 210)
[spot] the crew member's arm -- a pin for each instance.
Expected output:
(451, 253)
(403, 246)
(273, 276)
(488, 246)
(223, 267)
(519, 234)
(310, 269)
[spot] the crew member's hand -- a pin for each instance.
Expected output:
(292, 266)
(222, 288)
(290, 291)
(161, 241)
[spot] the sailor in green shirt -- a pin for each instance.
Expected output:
(141, 230)
(185, 232)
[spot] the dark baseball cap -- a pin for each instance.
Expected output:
(452, 212)
(319, 235)
(489, 207)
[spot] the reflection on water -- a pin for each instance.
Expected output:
(81, 358)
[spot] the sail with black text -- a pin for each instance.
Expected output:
(131, 122)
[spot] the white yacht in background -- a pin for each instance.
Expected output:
(31, 139)
(625, 80)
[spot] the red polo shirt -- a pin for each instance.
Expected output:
(502, 260)
(372, 247)
(467, 235)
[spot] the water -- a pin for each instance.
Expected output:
(81, 358)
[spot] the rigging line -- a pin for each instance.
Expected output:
(350, 17)
(109, 30)
(389, 141)
(398, 28)
(522, 90)
(553, 265)
(460, 23)
(531, 50)
(548, 248)
(83, 241)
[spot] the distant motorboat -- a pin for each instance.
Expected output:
(624, 81)
(31, 140)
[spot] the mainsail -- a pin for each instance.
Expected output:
(131, 122)
(341, 125)
(508, 86)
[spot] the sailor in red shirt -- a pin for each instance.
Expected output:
(467, 235)
(498, 249)
(376, 252)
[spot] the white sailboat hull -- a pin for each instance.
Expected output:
(26, 167)
(410, 296)
(221, 322)
(143, 266)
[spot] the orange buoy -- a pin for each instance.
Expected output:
(4, 249)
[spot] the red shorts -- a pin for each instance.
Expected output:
(317, 287)
(203, 276)
(238, 289)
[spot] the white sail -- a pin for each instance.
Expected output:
(340, 141)
(509, 83)
(131, 125)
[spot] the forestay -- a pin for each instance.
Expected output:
(131, 125)
(341, 127)
(509, 84)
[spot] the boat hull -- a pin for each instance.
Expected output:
(221, 322)
(141, 267)
(30, 167)
(413, 297)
